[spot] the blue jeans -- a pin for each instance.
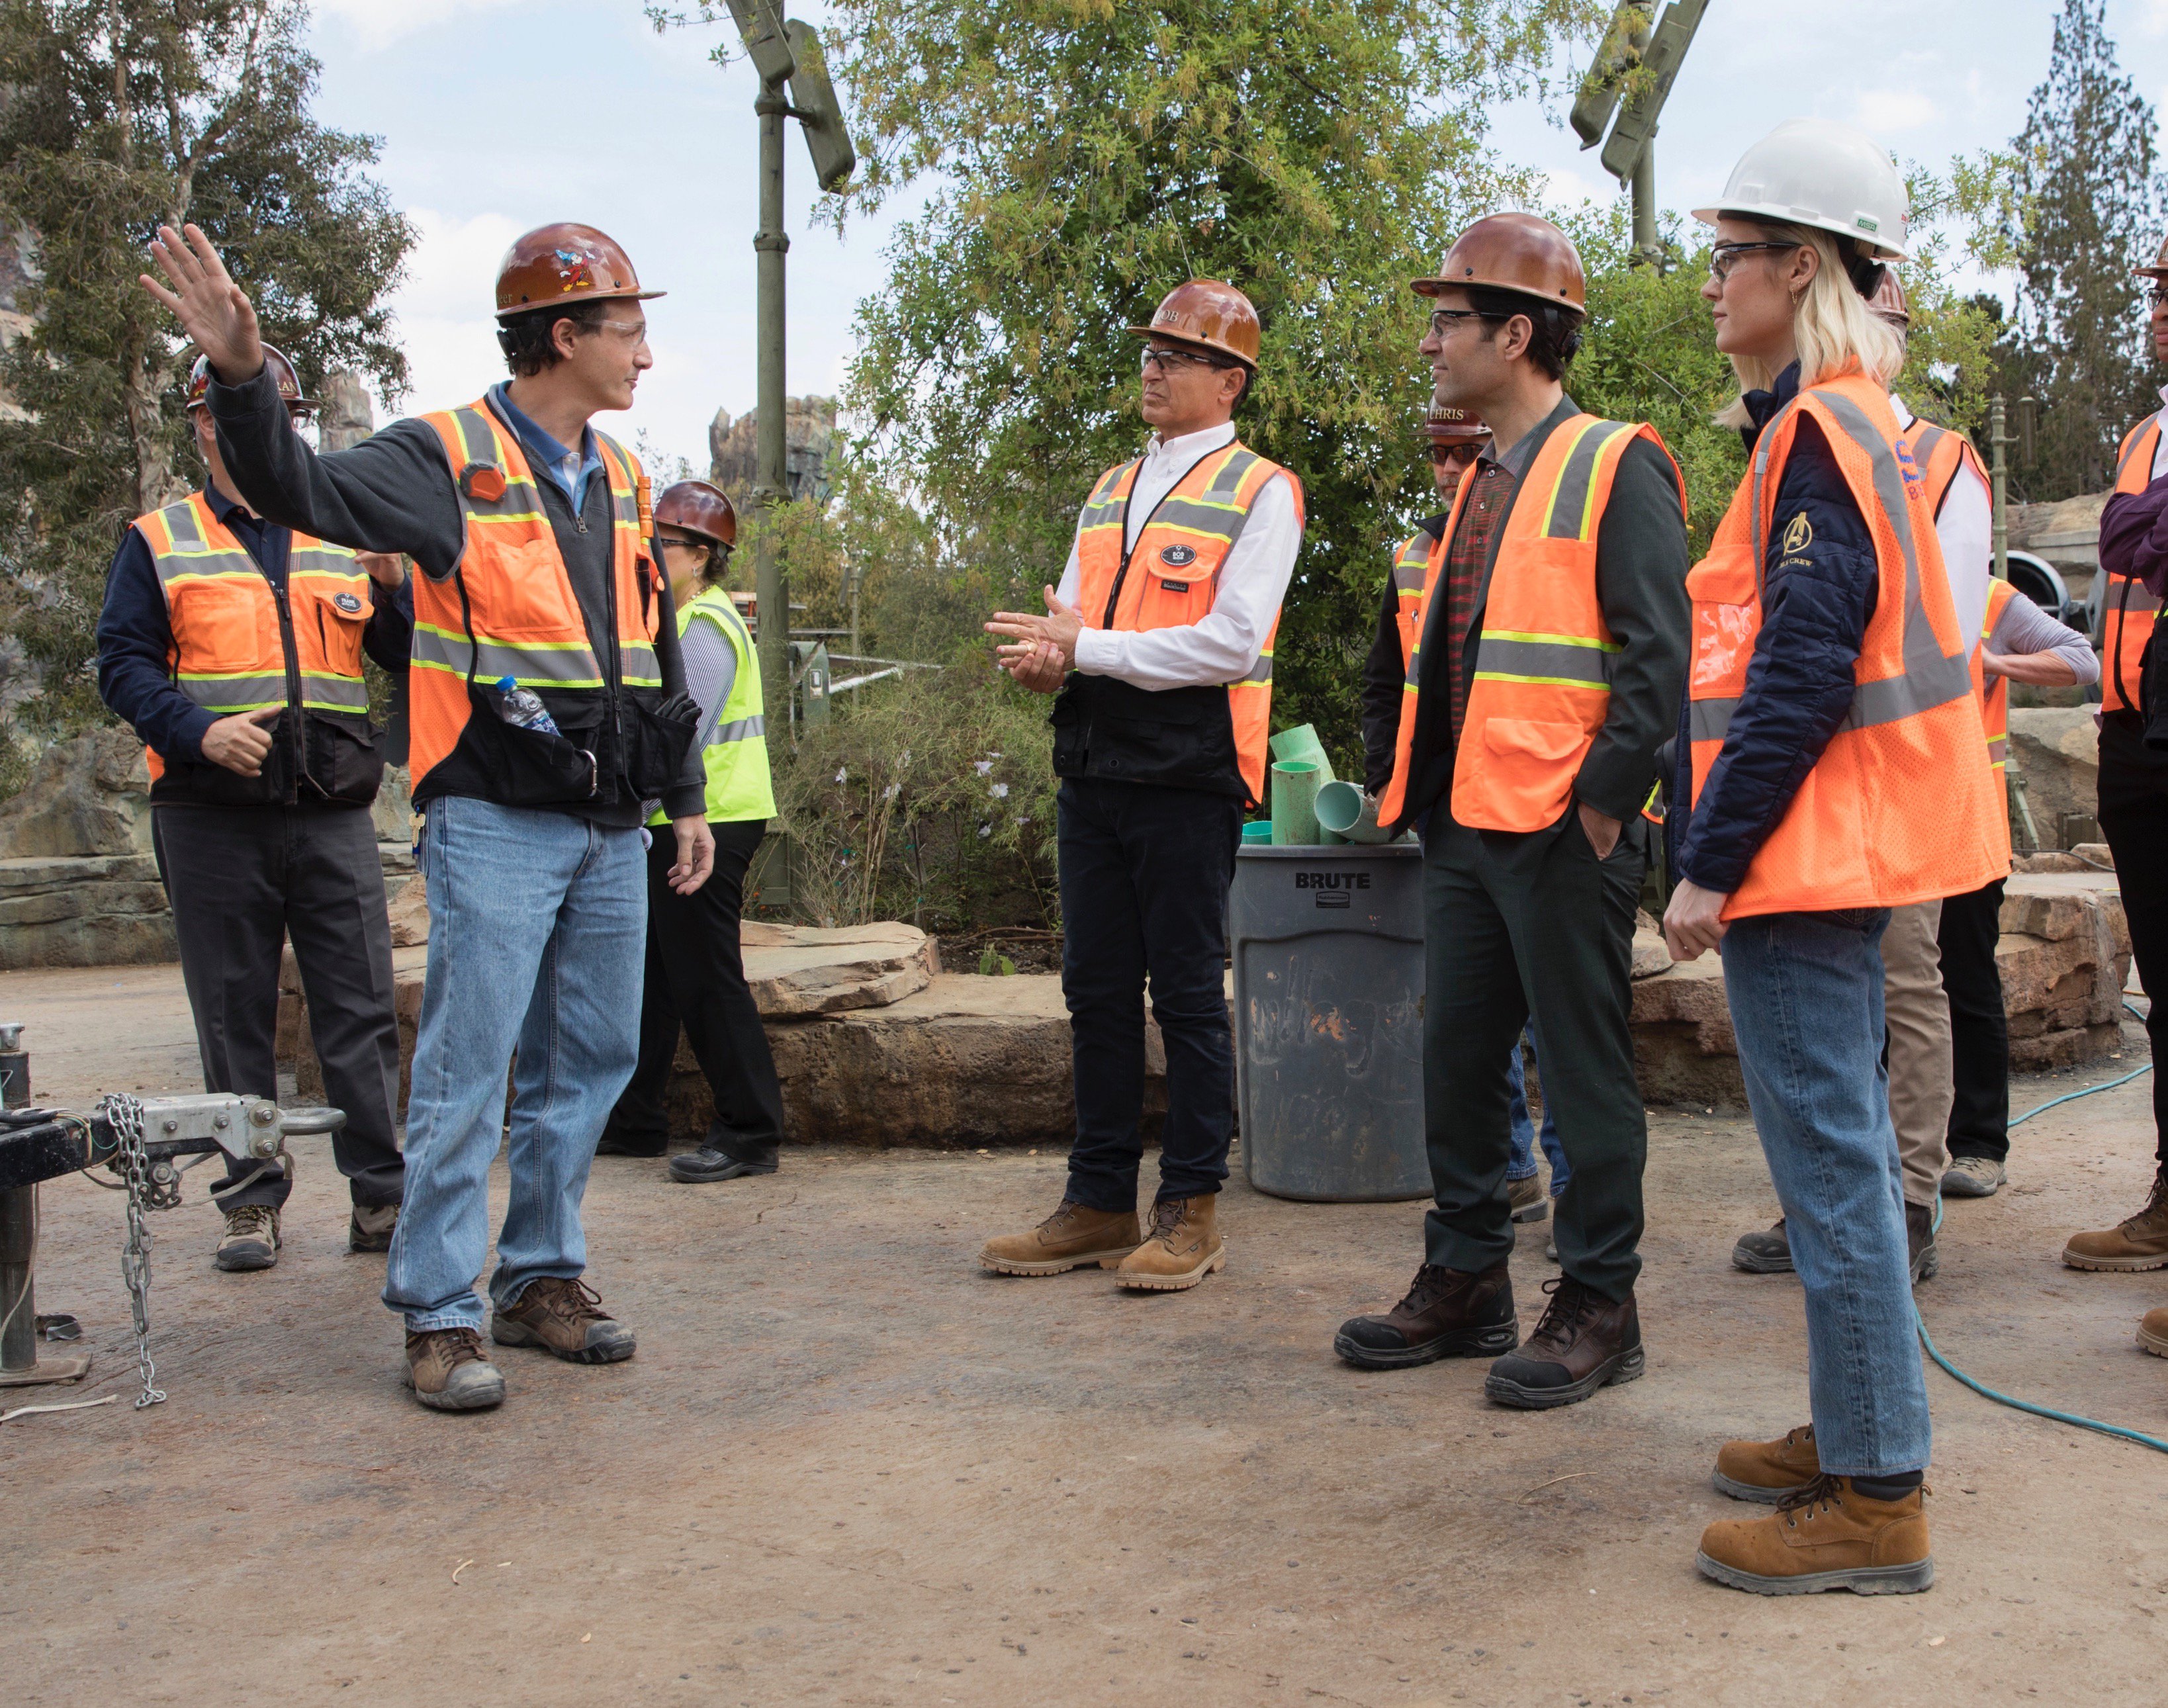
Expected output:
(1805, 990)
(1524, 1163)
(537, 925)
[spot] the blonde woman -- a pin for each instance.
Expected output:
(1835, 775)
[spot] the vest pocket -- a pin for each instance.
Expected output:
(345, 758)
(526, 768)
(661, 736)
(1521, 772)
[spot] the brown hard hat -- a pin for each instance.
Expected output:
(1207, 315)
(694, 506)
(2159, 271)
(1517, 253)
(1446, 426)
(1888, 302)
(274, 358)
(564, 263)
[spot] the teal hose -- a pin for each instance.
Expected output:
(1981, 1388)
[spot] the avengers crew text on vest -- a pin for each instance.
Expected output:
(1203, 738)
(241, 644)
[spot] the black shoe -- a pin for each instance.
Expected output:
(1764, 1253)
(1919, 1243)
(1585, 1341)
(707, 1163)
(1447, 1313)
(617, 1144)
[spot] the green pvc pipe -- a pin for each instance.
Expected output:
(1345, 811)
(1294, 787)
(1300, 744)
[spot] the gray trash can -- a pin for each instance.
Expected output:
(1327, 945)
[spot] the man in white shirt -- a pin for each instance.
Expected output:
(1159, 641)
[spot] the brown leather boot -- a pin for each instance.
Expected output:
(1767, 1471)
(1584, 1341)
(1527, 1200)
(449, 1372)
(1827, 1535)
(2152, 1331)
(1447, 1313)
(2140, 1243)
(1073, 1236)
(1181, 1247)
(564, 1318)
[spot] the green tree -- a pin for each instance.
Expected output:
(1085, 156)
(2092, 210)
(120, 114)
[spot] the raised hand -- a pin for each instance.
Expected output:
(212, 310)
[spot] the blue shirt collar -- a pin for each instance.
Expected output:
(569, 470)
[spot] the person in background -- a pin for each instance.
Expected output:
(234, 646)
(546, 707)
(1455, 437)
(695, 977)
(1543, 675)
(1835, 773)
(1160, 643)
(2133, 783)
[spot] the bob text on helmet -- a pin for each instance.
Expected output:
(1207, 315)
(1827, 177)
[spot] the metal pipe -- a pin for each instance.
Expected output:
(1996, 439)
(771, 577)
(1648, 249)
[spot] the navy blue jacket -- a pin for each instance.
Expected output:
(135, 634)
(1815, 605)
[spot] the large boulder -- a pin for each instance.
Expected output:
(83, 910)
(88, 796)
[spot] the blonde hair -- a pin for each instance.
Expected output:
(1832, 329)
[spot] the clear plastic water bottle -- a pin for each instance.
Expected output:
(523, 706)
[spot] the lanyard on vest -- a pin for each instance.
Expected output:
(1129, 545)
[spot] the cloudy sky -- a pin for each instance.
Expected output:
(500, 114)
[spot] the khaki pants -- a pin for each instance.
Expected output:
(1921, 1082)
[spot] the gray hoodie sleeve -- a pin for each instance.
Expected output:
(2024, 627)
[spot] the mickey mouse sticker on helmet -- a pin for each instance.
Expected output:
(557, 265)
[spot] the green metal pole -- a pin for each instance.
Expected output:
(1996, 439)
(771, 579)
(1648, 251)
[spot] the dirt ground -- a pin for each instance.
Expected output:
(848, 1468)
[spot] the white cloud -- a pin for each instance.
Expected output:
(1564, 187)
(1884, 110)
(2153, 18)
(377, 23)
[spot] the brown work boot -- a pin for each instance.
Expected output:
(371, 1225)
(2140, 1243)
(251, 1240)
(1447, 1313)
(1584, 1342)
(2152, 1331)
(1181, 1247)
(1767, 1471)
(449, 1371)
(563, 1317)
(1072, 1236)
(1827, 1535)
(1527, 1200)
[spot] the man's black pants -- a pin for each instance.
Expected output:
(2134, 817)
(696, 980)
(1145, 872)
(1979, 1031)
(1514, 925)
(242, 881)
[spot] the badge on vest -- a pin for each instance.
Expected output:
(1800, 535)
(482, 480)
(347, 603)
(1176, 557)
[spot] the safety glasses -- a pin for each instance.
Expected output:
(1725, 255)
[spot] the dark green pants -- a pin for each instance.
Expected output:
(1515, 925)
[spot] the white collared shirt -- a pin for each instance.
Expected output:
(1222, 646)
(1966, 529)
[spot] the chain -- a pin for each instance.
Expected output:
(131, 1161)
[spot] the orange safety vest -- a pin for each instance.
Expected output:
(2127, 610)
(1897, 808)
(1411, 576)
(1994, 696)
(1542, 685)
(1938, 453)
(238, 645)
(1169, 579)
(508, 609)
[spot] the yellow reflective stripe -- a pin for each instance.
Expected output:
(1534, 638)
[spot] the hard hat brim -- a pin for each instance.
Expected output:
(1190, 344)
(1435, 286)
(573, 301)
(1764, 212)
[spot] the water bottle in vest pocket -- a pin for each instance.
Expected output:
(526, 767)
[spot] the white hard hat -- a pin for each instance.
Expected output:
(1826, 176)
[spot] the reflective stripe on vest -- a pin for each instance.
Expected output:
(1541, 686)
(508, 608)
(227, 654)
(732, 735)
(1170, 577)
(1938, 454)
(1994, 691)
(1897, 808)
(2127, 610)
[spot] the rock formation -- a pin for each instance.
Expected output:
(809, 433)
